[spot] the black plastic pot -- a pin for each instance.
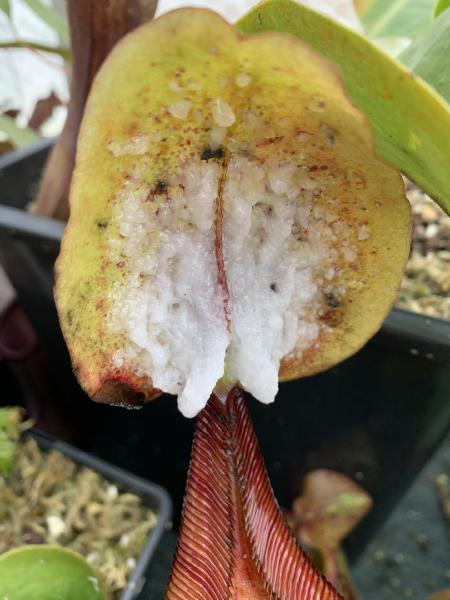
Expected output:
(377, 416)
(153, 496)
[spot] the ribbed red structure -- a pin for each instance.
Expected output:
(234, 543)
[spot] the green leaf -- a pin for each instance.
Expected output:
(398, 18)
(51, 17)
(5, 6)
(47, 573)
(441, 6)
(411, 122)
(429, 55)
(18, 136)
(59, 50)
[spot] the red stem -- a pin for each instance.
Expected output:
(234, 543)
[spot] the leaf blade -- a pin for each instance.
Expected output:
(398, 18)
(428, 55)
(46, 572)
(5, 6)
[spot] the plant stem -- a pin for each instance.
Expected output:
(234, 542)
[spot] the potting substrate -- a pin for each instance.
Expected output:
(52, 493)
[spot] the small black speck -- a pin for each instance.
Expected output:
(160, 187)
(208, 153)
(69, 317)
(274, 287)
(102, 224)
(332, 301)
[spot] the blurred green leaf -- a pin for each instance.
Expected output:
(429, 55)
(10, 430)
(441, 6)
(47, 573)
(52, 17)
(5, 6)
(329, 508)
(398, 18)
(411, 122)
(19, 136)
(59, 50)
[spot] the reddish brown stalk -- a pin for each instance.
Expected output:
(234, 543)
(95, 27)
(218, 242)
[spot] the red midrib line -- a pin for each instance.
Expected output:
(218, 242)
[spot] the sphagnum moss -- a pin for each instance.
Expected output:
(46, 498)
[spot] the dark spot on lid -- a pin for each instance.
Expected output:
(332, 301)
(299, 232)
(102, 224)
(274, 287)
(208, 153)
(266, 209)
(329, 133)
(161, 187)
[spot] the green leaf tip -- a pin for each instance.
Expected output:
(18, 136)
(440, 7)
(41, 572)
